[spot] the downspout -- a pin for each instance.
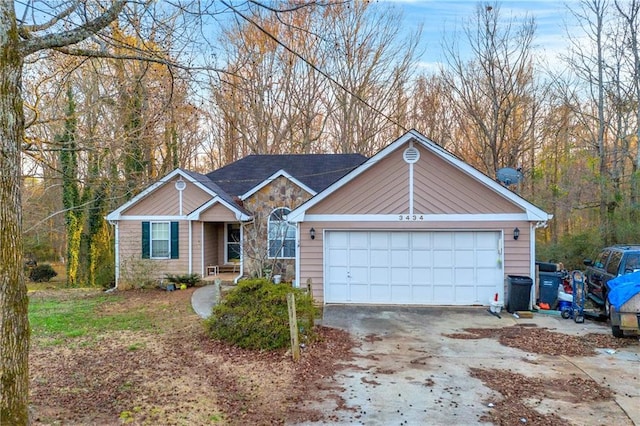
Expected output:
(190, 246)
(202, 249)
(297, 262)
(116, 254)
(532, 262)
(236, 279)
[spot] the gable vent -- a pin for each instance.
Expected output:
(411, 155)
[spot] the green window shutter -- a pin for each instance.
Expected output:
(146, 240)
(174, 240)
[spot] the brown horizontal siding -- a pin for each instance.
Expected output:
(384, 188)
(516, 253)
(165, 201)
(130, 254)
(441, 188)
(218, 213)
(193, 197)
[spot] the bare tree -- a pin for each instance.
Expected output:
(17, 41)
(493, 92)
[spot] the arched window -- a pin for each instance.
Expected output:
(282, 235)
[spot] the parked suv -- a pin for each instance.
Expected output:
(611, 262)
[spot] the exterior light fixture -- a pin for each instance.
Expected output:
(516, 233)
(312, 233)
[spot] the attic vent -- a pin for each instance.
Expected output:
(411, 155)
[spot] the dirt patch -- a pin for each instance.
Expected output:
(543, 341)
(519, 393)
(175, 374)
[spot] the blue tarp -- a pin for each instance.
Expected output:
(623, 288)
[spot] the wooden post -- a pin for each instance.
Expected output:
(293, 326)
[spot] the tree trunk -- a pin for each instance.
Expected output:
(14, 320)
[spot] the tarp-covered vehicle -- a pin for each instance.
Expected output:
(623, 304)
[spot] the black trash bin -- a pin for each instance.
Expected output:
(518, 293)
(549, 282)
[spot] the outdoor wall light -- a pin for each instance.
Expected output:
(516, 233)
(312, 233)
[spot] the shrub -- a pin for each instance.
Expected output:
(254, 315)
(187, 279)
(42, 273)
(137, 274)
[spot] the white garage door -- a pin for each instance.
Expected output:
(426, 268)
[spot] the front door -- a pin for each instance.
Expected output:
(232, 251)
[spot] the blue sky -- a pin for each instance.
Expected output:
(445, 16)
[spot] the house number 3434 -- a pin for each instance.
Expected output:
(410, 217)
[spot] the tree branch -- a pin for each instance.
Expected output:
(26, 30)
(76, 35)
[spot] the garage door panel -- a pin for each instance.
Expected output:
(401, 294)
(400, 258)
(464, 240)
(359, 240)
(359, 274)
(380, 257)
(360, 293)
(443, 276)
(379, 240)
(466, 294)
(420, 257)
(380, 275)
(337, 257)
(380, 293)
(338, 293)
(443, 240)
(421, 276)
(359, 257)
(421, 240)
(464, 258)
(443, 258)
(423, 293)
(417, 267)
(443, 294)
(486, 240)
(486, 257)
(464, 276)
(400, 240)
(400, 275)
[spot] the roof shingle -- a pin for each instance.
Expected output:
(317, 171)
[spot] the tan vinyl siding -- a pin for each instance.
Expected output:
(438, 188)
(441, 188)
(165, 201)
(382, 188)
(218, 213)
(516, 253)
(130, 253)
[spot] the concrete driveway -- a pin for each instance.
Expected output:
(407, 372)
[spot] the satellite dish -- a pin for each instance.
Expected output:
(508, 176)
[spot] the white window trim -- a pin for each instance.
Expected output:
(288, 224)
(151, 239)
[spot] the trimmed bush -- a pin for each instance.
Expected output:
(254, 315)
(42, 273)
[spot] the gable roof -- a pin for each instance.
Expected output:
(534, 213)
(314, 171)
(197, 179)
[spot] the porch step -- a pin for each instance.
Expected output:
(228, 268)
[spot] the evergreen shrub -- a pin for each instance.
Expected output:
(254, 315)
(42, 273)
